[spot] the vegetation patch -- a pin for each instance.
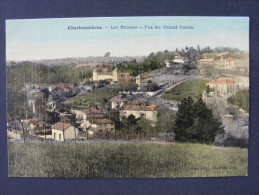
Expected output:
(95, 98)
(241, 99)
(115, 160)
(192, 88)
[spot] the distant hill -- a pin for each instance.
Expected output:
(81, 60)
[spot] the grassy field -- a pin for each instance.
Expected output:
(95, 98)
(114, 160)
(192, 88)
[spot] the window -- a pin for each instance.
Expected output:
(54, 135)
(59, 136)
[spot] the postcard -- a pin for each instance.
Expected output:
(128, 97)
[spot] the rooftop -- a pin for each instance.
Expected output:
(103, 70)
(61, 126)
(230, 59)
(223, 81)
(116, 99)
(223, 54)
(152, 107)
(92, 111)
(103, 121)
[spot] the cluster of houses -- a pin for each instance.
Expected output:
(91, 121)
(229, 62)
(219, 91)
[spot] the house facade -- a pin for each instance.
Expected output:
(223, 86)
(124, 78)
(242, 82)
(91, 113)
(230, 63)
(64, 131)
(116, 102)
(103, 74)
(148, 112)
(101, 125)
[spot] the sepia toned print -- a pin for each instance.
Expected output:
(128, 97)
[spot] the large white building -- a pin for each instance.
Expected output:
(224, 86)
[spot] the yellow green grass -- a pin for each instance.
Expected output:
(193, 88)
(124, 160)
(95, 98)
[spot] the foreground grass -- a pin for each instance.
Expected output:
(114, 160)
(95, 98)
(192, 88)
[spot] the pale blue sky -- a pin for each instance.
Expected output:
(50, 38)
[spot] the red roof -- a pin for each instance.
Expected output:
(141, 108)
(230, 59)
(116, 99)
(92, 111)
(103, 121)
(223, 81)
(103, 70)
(61, 126)
(223, 54)
(138, 102)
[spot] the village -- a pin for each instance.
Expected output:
(58, 113)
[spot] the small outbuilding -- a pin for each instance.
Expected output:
(64, 131)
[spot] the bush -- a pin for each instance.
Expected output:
(241, 99)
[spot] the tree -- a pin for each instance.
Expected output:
(206, 126)
(196, 123)
(184, 119)
(52, 117)
(131, 120)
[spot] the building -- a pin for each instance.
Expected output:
(141, 81)
(124, 78)
(116, 102)
(222, 55)
(208, 56)
(147, 112)
(92, 113)
(33, 123)
(167, 64)
(230, 63)
(178, 59)
(242, 82)
(64, 131)
(101, 125)
(223, 86)
(103, 74)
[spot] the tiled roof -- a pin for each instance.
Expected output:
(103, 121)
(116, 99)
(141, 108)
(103, 70)
(92, 111)
(230, 59)
(138, 102)
(223, 54)
(61, 126)
(223, 81)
